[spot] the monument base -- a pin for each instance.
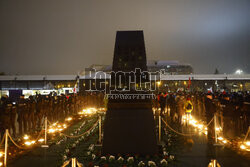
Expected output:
(129, 128)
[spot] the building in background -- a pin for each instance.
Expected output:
(15, 85)
(170, 67)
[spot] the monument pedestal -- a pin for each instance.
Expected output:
(129, 124)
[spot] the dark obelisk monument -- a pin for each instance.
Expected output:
(129, 125)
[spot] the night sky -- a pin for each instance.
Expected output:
(65, 36)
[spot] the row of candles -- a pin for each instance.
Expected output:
(59, 127)
(52, 129)
(243, 145)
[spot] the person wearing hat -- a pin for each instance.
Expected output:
(188, 108)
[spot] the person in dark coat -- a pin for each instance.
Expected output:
(162, 102)
(5, 114)
(209, 112)
(22, 114)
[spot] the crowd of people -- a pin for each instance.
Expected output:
(28, 113)
(232, 109)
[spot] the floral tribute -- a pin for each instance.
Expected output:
(89, 154)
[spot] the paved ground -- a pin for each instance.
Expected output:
(201, 154)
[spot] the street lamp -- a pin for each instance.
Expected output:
(239, 71)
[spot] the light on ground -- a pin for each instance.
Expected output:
(248, 143)
(69, 119)
(26, 137)
(27, 143)
(88, 111)
(200, 126)
(217, 129)
(242, 147)
(220, 138)
(52, 130)
(64, 126)
(41, 140)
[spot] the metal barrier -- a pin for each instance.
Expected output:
(213, 163)
(74, 163)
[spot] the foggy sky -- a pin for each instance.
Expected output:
(65, 36)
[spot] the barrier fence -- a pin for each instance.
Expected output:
(218, 135)
(201, 128)
(88, 131)
(74, 163)
(45, 131)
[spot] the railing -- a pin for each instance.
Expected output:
(74, 163)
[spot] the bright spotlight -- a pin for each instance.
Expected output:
(239, 71)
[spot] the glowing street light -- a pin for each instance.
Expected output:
(239, 71)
